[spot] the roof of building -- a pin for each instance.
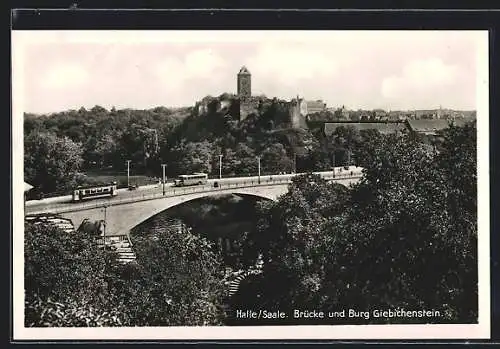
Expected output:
(382, 127)
(244, 70)
(27, 187)
(315, 104)
(432, 125)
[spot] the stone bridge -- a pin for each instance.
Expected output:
(123, 213)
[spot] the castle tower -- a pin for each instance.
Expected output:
(296, 111)
(244, 83)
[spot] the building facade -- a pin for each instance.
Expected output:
(312, 107)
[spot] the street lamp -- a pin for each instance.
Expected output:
(220, 166)
(104, 230)
(294, 162)
(128, 174)
(163, 168)
(333, 164)
(258, 166)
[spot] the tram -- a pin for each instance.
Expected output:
(91, 192)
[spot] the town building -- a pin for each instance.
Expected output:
(308, 107)
(312, 107)
(380, 115)
(300, 108)
(383, 127)
(431, 127)
(342, 114)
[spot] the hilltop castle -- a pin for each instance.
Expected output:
(298, 108)
(246, 104)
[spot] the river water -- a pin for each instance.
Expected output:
(221, 219)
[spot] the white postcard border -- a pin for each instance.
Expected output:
(473, 331)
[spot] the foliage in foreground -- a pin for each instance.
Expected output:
(178, 281)
(69, 281)
(66, 278)
(405, 237)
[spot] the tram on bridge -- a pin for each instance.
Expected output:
(91, 192)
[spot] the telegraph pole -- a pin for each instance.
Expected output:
(163, 168)
(128, 174)
(220, 166)
(258, 166)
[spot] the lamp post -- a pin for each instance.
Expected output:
(163, 168)
(220, 166)
(128, 174)
(294, 162)
(333, 164)
(104, 230)
(258, 166)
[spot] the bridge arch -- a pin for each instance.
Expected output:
(148, 215)
(121, 218)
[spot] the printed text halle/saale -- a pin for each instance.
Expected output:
(261, 314)
(350, 313)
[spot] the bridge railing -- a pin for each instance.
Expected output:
(180, 191)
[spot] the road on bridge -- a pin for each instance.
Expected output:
(156, 191)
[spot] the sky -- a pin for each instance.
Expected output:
(392, 70)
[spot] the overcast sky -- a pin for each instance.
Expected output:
(143, 69)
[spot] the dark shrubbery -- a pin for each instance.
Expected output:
(405, 237)
(69, 281)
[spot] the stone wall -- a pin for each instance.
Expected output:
(247, 107)
(297, 120)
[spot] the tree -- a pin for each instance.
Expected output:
(98, 110)
(410, 223)
(275, 159)
(51, 163)
(409, 204)
(70, 281)
(290, 238)
(231, 163)
(192, 157)
(32, 123)
(365, 147)
(178, 281)
(240, 161)
(344, 140)
(66, 278)
(102, 151)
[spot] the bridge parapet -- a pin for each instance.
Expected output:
(222, 187)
